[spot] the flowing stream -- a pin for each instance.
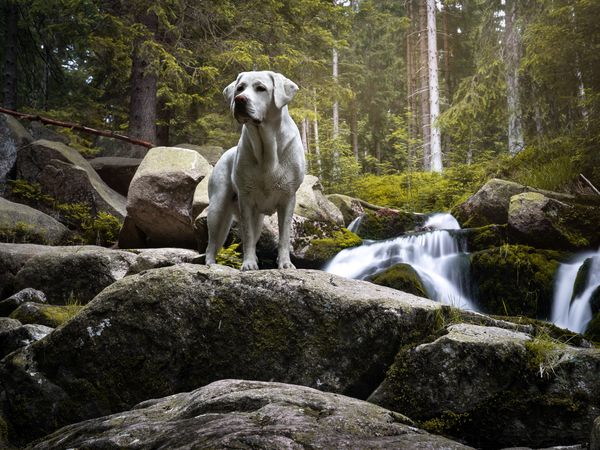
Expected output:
(572, 312)
(438, 257)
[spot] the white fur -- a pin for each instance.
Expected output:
(262, 174)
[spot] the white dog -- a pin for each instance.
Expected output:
(262, 174)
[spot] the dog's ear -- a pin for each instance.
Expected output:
(228, 92)
(283, 90)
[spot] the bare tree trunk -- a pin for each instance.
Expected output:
(306, 125)
(410, 84)
(354, 129)
(303, 135)
(424, 85)
(316, 137)
(9, 65)
(144, 81)
(515, 129)
(434, 92)
(162, 128)
(336, 113)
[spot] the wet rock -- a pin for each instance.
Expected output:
(401, 277)
(388, 223)
(22, 336)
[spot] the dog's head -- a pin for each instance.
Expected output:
(258, 96)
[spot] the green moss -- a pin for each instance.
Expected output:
(387, 223)
(446, 423)
(49, 315)
(325, 248)
(543, 355)
(401, 277)
(482, 238)
(593, 329)
(515, 280)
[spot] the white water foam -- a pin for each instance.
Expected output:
(437, 256)
(575, 313)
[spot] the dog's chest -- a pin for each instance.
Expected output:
(267, 189)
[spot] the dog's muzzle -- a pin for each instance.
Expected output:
(242, 111)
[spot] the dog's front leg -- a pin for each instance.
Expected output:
(284, 220)
(250, 223)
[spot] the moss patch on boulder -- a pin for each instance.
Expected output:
(482, 238)
(401, 277)
(323, 249)
(42, 314)
(515, 280)
(388, 223)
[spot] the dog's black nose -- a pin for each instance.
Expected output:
(240, 99)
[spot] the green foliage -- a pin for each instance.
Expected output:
(100, 229)
(230, 256)
(21, 233)
(325, 248)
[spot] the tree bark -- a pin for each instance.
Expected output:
(512, 38)
(316, 137)
(411, 110)
(336, 113)
(144, 82)
(354, 129)
(9, 65)
(424, 84)
(434, 93)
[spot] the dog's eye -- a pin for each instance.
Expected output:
(260, 88)
(240, 88)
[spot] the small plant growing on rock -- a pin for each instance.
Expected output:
(230, 256)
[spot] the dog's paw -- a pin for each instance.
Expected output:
(249, 265)
(286, 265)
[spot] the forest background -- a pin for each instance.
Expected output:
(404, 103)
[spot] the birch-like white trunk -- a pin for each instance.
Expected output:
(434, 91)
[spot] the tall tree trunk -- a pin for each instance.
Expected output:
(424, 84)
(434, 93)
(316, 136)
(144, 82)
(354, 128)
(336, 113)
(163, 129)
(304, 135)
(9, 65)
(512, 38)
(411, 110)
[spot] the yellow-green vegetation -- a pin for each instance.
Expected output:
(230, 256)
(325, 248)
(544, 354)
(49, 315)
(449, 421)
(387, 223)
(420, 191)
(99, 229)
(22, 233)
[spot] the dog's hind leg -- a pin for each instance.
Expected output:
(219, 221)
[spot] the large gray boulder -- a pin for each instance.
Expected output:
(116, 172)
(74, 274)
(485, 383)
(350, 207)
(23, 224)
(211, 153)
(178, 328)
(12, 136)
(67, 176)
(549, 223)
(161, 195)
(249, 414)
(312, 203)
(8, 305)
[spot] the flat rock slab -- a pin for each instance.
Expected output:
(249, 414)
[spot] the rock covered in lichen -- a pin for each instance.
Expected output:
(42, 314)
(23, 296)
(484, 384)
(249, 414)
(174, 329)
(21, 336)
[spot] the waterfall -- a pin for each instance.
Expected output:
(575, 313)
(437, 256)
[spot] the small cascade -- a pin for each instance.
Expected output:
(437, 256)
(569, 311)
(353, 226)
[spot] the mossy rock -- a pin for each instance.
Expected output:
(515, 280)
(401, 277)
(482, 238)
(593, 329)
(325, 248)
(42, 314)
(388, 223)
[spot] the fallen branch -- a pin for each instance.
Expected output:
(589, 183)
(75, 126)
